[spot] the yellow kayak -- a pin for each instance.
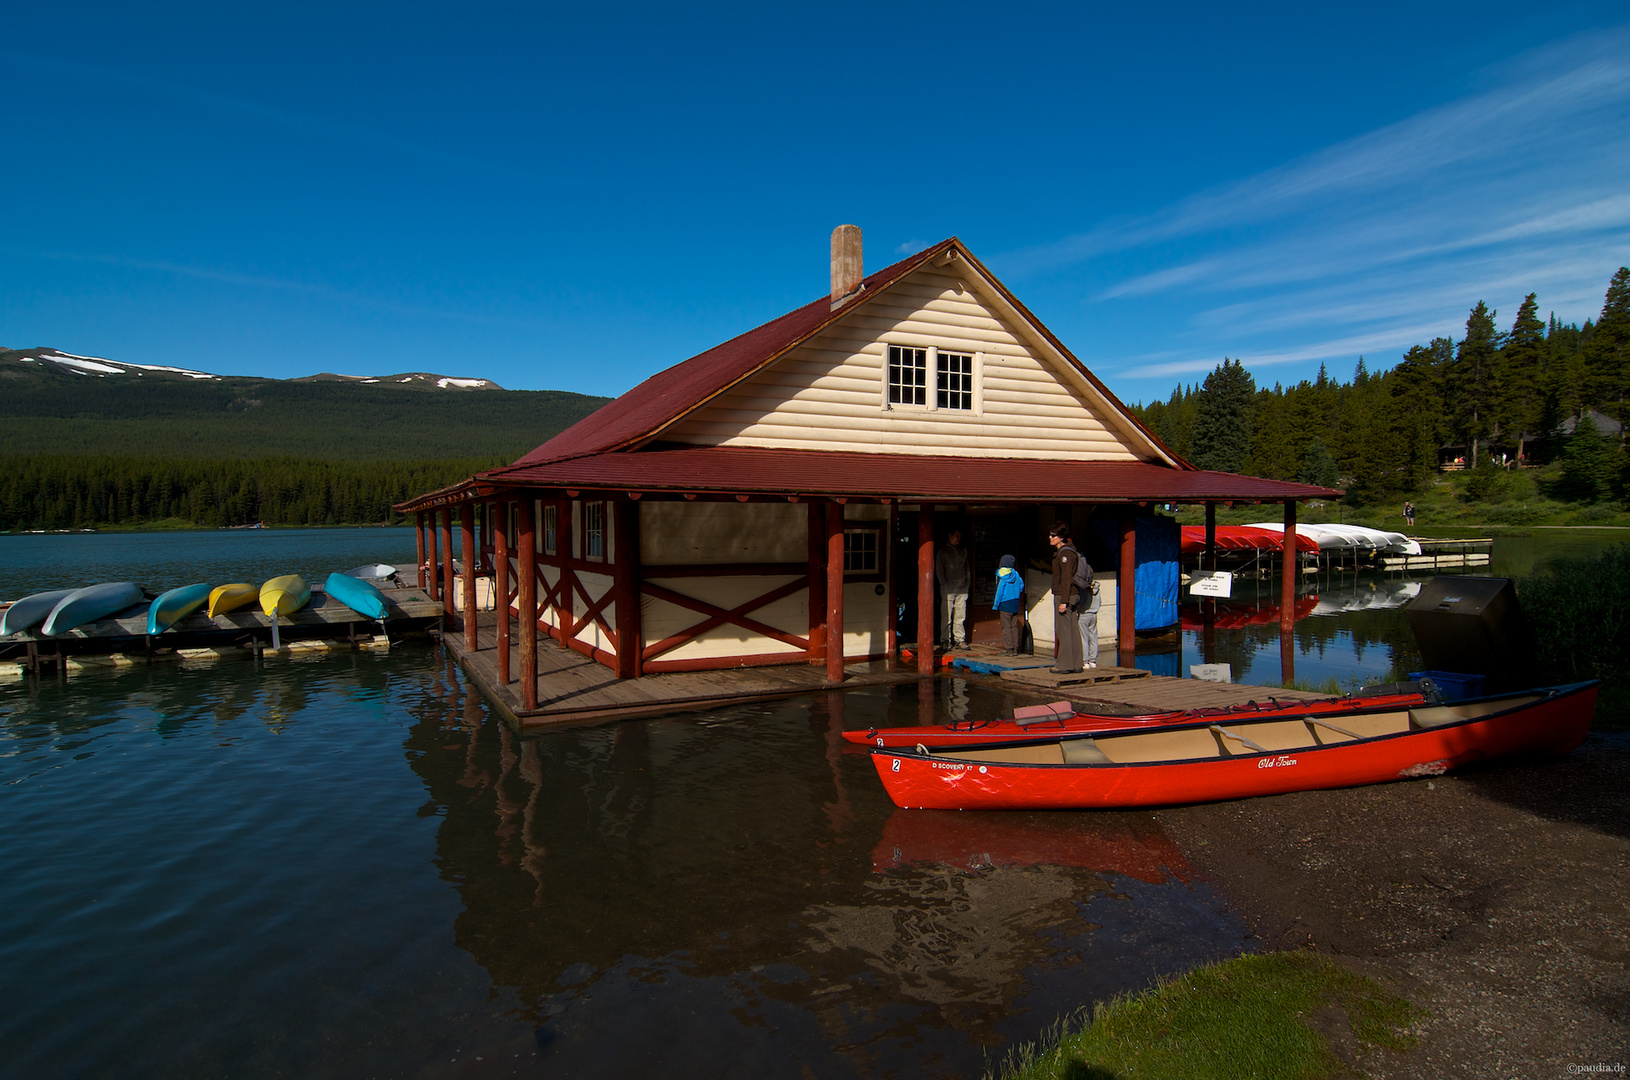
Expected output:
(225, 598)
(284, 595)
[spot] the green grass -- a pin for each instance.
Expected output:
(1246, 1017)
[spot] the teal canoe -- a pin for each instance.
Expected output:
(30, 611)
(91, 603)
(175, 605)
(356, 593)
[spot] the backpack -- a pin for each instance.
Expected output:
(1083, 576)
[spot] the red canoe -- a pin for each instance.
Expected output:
(1234, 759)
(1061, 718)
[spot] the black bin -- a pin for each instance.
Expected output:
(1473, 625)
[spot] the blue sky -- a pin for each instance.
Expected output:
(559, 198)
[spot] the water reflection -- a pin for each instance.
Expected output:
(743, 875)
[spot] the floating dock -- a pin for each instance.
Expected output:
(1442, 555)
(323, 624)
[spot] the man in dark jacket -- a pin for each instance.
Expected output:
(1066, 602)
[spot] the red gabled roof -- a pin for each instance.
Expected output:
(672, 393)
(908, 477)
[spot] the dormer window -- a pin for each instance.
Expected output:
(932, 379)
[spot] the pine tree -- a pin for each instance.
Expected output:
(1523, 370)
(1223, 417)
(1472, 380)
(1608, 354)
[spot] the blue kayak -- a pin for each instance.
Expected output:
(30, 611)
(175, 605)
(91, 603)
(357, 594)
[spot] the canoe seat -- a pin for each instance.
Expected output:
(1223, 734)
(1083, 752)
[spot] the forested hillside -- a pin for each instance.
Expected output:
(1536, 393)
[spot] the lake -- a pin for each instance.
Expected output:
(346, 866)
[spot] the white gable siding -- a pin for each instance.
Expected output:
(828, 394)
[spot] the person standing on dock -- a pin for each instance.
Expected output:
(1009, 602)
(952, 571)
(1409, 514)
(1066, 602)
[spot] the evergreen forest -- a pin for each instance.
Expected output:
(1534, 394)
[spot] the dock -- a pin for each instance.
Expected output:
(322, 625)
(1442, 555)
(574, 689)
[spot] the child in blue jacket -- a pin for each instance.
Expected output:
(1010, 602)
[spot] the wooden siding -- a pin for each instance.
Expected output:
(710, 533)
(789, 614)
(829, 393)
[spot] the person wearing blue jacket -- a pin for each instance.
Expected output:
(1010, 603)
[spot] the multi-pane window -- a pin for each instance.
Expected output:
(594, 530)
(908, 375)
(954, 381)
(863, 552)
(551, 525)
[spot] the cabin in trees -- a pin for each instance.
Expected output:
(778, 499)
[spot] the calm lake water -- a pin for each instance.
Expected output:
(346, 866)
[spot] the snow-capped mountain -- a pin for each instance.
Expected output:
(15, 362)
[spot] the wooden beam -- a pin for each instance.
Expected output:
(447, 560)
(817, 581)
(1287, 574)
(1211, 540)
(925, 589)
(834, 592)
(500, 586)
(528, 543)
(466, 522)
(625, 540)
(1126, 635)
(432, 560)
(418, 534)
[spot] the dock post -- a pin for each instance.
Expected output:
(925, 589)
(834, 591)
(1287, 598)
(625, 540)
(430, 573)
(500, 588)
(466, 524)
(817, 581)
(528, 543)
(447, 560)
(1126, 632)
(418, 533)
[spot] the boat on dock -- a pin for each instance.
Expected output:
(1061, 718)
(176, 604)
(284, 595)
(30, 611)
(1233, 759)
(91, 603)
(225, 598)
(356, 593)
(371, 571)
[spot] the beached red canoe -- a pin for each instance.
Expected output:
(1034, 722)
(1238, 758)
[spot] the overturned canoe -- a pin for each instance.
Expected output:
(284, 595)
(30, 611)
(1234, 759)
(225, 598)
(1060, 719)
(357, 594)
(173, 606)
(372, 571)
(91, 603)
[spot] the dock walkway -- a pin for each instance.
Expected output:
(572, 688)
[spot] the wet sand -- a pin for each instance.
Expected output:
(1498, 898)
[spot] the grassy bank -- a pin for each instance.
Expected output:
(1252, 1016)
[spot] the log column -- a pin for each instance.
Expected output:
(527, 541)
(817, 581)
(500, 586)
(1126, 635)
(925, 590)
(834, 591)
(1287, 597)
(431, 571)
(418, 535)
(466, 539)
(447, 560)
(626, 581)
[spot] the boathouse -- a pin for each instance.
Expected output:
(778, 499)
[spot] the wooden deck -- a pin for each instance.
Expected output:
(573, 689)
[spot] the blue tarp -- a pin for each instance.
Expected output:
(1157, 542)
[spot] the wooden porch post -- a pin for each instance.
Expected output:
(565, 537)
(834, 591)
(1287, 598)
(432, 562)
(1126, 643)
(466, 539)
(625, 541)
(1211, 538)
(925, 590)
(527, 541)
(817, 581)
(418, 534)
(500, 586)
(447, 560)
